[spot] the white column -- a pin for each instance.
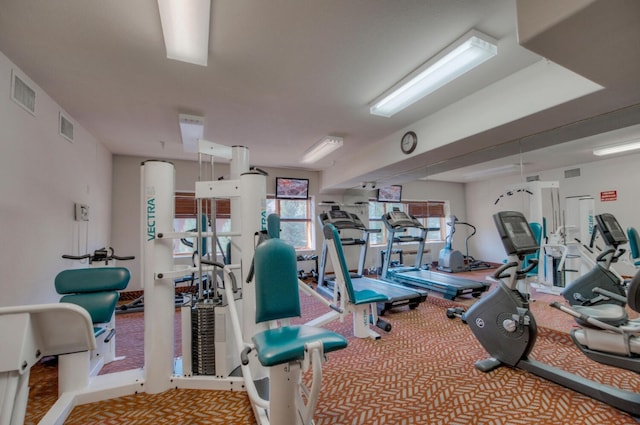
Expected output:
(158, 188)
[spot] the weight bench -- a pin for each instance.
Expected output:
(287, 350)
(364, 303)
(96, 290)
(29, 333)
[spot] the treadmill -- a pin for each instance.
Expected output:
(346, 222)
(449, 286)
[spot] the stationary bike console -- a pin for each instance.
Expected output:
(610, 230)
(515, 233)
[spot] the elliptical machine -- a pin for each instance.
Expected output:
(453, 261)
(506, 328)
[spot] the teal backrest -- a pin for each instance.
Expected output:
(276, 281)
(273, 226)
(94, 289)
(100, 305)
(96, 279)
(634, 242)
(331, 235)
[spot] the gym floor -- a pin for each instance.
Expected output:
(419, 373)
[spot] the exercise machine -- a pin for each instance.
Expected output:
(453, 261)
(398, 222)
(97, 289)
(344, 222)
(362, 303)
(580, 292)
(286, 350)
(505, 326)
(231, 315)
(29, 333)
(634, 246)
(606, 334)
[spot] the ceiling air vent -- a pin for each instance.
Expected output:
(533, 178)
(22, 94)
(65, 127)
(575, 172)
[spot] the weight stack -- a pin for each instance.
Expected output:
(203, 338)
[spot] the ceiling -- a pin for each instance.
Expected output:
(283, 73)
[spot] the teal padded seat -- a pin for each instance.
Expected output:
(285, 344)
(634, 245)
(95, 289)
(364, 296)
(277, 298)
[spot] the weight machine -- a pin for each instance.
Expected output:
(232, 311)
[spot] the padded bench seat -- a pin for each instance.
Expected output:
(286, 344)
(95, 289)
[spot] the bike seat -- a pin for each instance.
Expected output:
(611, 314)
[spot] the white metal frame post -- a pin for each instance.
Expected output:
(158, 191)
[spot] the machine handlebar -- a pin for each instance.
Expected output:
(234, 284)
(498, 274)
(102, 254)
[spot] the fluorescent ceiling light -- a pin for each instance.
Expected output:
(460, 57)
(191, 130)
(625, 147)
(185, 27)
(322, 148)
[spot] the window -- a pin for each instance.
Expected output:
(296, 221)
(430, 213)
(186, 211)
(376, 211)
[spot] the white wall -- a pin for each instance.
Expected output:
(43, 175)
(126, 206)
(620, 174)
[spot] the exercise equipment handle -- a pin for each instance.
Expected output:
(234, 285)
(603, 254)
(586, 318)
(102, 254)
(532, 265)
(619, 254)
(117, 257)
(76, 257)
(498, 273)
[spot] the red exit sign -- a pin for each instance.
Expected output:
(609, 195)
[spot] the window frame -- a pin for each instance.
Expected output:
(309, 219)
(186, 207)
(422, 210)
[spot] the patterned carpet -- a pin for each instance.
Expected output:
(420, 373)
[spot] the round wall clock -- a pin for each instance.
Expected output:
(408, 142)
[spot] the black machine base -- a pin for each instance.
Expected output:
(450, 287)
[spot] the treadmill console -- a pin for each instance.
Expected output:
(515, 233)
(398, 219)
(339, 218)
(610, 230)
(357, 222)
